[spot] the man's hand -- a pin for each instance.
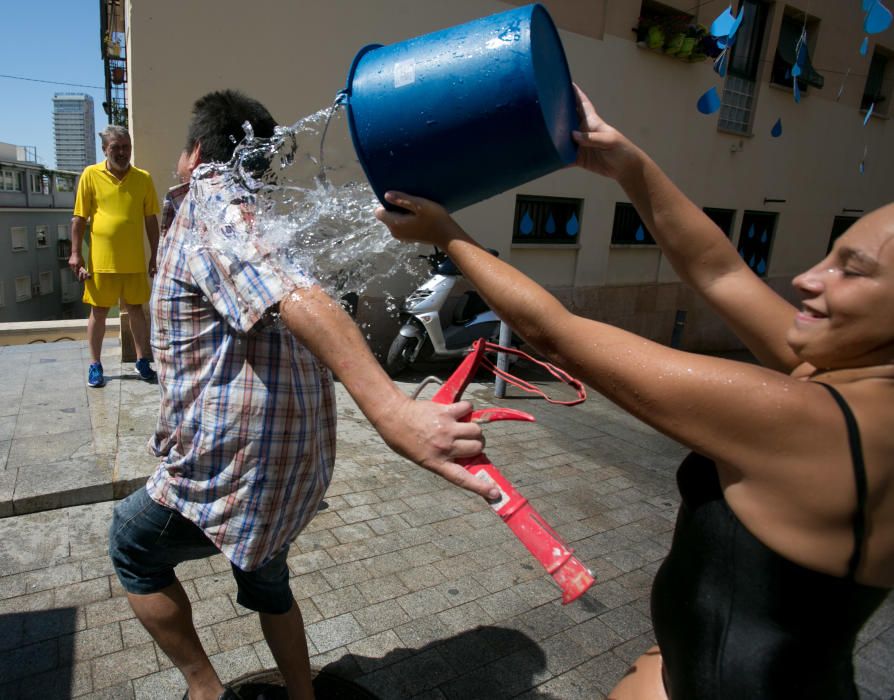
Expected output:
(602, 148)
(76, 265)
(433, 435)
(421, 219)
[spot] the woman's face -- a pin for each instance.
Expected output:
(846, 317)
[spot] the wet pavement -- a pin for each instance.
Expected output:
(409, 588)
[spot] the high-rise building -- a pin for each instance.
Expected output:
(75, 131)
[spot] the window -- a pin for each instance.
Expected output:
(46, 282)
(19, 238)
(878, 83)
(23, 288)
(790, 49)
(43, 233)
(755, 239)
(11, 181)
(62, 232)
(739, 90)
(628, 228)
(39, 183)
(64, 183)
(723, 218)
(546, 220)
(839, 226)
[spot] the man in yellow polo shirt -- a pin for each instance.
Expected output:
(120, 199)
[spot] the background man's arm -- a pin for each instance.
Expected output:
(152, 235)
(429, 434)
(76, 259)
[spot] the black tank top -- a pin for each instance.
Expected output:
(737, 621)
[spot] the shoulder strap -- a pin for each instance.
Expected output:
(853, 436)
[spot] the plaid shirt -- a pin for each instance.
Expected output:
(246, 430)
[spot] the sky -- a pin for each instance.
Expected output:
(53, 40)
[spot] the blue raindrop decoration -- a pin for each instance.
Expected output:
(867, 5)
(869, 113)
(878, 19)
(573, 225)
(751, 262)
(550, 225)
(724, 28)
(864, 46)
(640, 233)
(527, 225)
(720, 64)
(764, 236)
(776, 131)
(709, 102)
(762, 267)
(751, 231)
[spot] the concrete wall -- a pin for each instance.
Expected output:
(32, 262)
(294, 56)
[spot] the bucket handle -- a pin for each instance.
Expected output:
(345, 94)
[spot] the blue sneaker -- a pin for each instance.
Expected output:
(147, 374)
(94, 376)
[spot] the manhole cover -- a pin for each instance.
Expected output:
(268, 685)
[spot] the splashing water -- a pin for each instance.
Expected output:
(313, 221)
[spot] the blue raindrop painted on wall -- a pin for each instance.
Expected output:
(550, 225)
(764, 237)
(751, 262)
(526, 225)
(761, 267)
(640, 233)
(751, 231)
(573, 226)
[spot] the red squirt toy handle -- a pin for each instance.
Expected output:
(521, 517)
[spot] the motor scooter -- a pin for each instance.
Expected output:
(428, 333)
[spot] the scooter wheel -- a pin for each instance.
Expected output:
(396, 360)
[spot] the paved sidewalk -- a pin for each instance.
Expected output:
(409, 586)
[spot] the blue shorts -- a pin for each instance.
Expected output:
(147, 540)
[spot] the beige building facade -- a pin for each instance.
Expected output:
(824, 170)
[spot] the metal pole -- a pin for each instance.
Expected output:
(502, 359)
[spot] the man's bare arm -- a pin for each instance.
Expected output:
(431, 435)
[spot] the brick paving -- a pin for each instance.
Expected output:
(408, 586)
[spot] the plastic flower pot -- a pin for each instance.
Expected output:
(686, 47)
(674, 44)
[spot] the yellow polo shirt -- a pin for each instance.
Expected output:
(118, 208)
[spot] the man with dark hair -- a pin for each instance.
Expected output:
(119, 200)
(246, 431)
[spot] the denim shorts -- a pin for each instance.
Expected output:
(147, 540)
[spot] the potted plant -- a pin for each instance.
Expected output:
(675, 30)
(650, 32)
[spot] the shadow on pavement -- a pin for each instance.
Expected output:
(37, 653)
(485, 663)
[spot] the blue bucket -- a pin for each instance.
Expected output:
(464, 113)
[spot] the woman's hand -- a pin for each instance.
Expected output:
(602, 148)
(421, 220)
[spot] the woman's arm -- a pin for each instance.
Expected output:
(697, 249)
(710, 404)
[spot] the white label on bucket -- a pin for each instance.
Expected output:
(404, 73)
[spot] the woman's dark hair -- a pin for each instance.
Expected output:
(217, 120)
